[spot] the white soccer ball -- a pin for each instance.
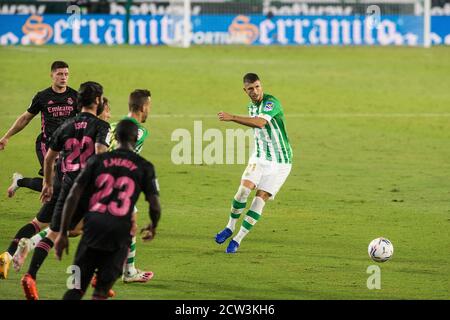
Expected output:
(380, 249)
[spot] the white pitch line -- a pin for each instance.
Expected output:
(367, 115)
(28, 49)
(301, 115)
(321, 115)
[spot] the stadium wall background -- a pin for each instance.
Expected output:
(230, 22)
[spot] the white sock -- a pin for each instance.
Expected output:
(129, 268)
(38, 237)
(252, 216)
(238, 206)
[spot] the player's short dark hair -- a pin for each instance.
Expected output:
(58, 65)
(137, 99)
(250, 78)
(88, 92)
(105, 100)
(126, 132)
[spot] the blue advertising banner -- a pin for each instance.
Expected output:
(221, 30)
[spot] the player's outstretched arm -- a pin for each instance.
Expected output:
(20, 123)
(254, 122)
(49, 164)
(70, 205)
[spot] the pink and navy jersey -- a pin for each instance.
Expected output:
(112, 184)
(55, 108)
(75, 139)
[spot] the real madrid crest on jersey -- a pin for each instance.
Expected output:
(268, 106)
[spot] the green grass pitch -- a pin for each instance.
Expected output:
(370, 130)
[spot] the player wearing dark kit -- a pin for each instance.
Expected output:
(75, 142)
(112, 183)
(55, 104)
(55, 108)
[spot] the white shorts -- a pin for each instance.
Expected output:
(267, 175)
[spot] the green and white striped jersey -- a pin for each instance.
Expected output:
(142, 135)
(271, 142)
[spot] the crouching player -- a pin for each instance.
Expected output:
(113, 182)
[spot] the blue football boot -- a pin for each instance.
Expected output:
(232, 246)
(223, 235)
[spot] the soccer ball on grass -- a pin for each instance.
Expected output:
(380, 250)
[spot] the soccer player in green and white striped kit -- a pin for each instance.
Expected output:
(139, 105)
(269, 166)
